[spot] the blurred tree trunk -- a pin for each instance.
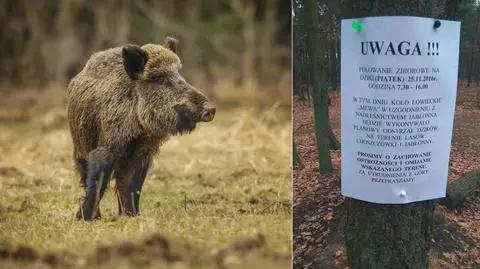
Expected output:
(246, 11)
(316, 49)
(68, 41)
(50, 41)
(382, 236)
(470, 66)
(451, 9)
(461, 67)
(476, 44)
(191, 53)
(475, 48)
(301, 62)
(334, 143)
(267, 38)
(356, 8)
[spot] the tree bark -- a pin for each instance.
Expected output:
(320, 91)
(380, 236)
(451, 9)
(334, 63)
(388, 236)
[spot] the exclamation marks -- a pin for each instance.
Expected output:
(433, 48)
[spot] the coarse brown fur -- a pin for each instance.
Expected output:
(121, 107)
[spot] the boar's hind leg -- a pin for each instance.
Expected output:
(129, 195)
(100, 166)
(82, 168)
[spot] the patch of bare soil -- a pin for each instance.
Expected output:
(20, 105)
(156, 249)
(318, 214)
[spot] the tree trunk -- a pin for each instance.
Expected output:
(268, 39)
(382, 236)
(332, 61)
(334, 64)
(334, 143)
(461, 66)
(451, 9)
(470, 69)
(246, 11)
(388, 236)
(320, 101)
(471, 52)
(320, 91)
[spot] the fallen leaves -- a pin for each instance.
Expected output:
(317, 196)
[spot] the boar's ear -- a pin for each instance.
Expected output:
(134, 60)
(171, 44)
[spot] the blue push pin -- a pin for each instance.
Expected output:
(357, 26)
(436, 24)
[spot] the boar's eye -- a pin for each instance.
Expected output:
(159, 78)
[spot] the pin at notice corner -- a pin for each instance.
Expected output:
(437, 24)
(403, 193)
(357, 26)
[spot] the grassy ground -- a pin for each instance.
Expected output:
(229, 179)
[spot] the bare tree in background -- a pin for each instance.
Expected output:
(228, 43)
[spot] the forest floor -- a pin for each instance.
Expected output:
(218, 198)
(318, 203)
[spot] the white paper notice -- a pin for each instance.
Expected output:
(398, 89)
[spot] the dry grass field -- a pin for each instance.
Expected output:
(218, 197)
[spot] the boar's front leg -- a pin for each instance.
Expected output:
(136, 186)
(131, 172)
(129, 187)
(100, 166)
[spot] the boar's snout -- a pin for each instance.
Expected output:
(208, 114)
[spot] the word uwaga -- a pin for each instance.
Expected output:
(404, 48)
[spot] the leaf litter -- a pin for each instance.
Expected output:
(318, 213)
